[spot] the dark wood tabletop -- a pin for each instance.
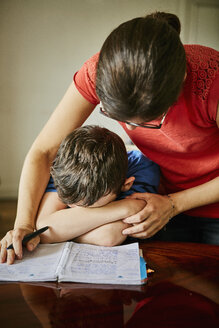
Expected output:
(183, 291)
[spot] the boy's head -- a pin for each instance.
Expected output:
(91, 164)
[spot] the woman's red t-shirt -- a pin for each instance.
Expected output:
(187, 145)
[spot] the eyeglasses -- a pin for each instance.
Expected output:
(141, 125)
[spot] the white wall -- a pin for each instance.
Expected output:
(43, 42)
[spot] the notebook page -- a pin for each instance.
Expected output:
(39, 265)
(102, 265)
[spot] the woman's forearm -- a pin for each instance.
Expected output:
(34, 177)
(73, 222)
(70, 113)
(160, 209)
(204, 194)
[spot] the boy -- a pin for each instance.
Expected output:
(92, 170)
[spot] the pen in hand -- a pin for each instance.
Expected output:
(30, 236)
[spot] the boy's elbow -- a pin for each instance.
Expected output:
(112, 240)
(111, 235)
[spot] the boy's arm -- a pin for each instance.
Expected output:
(66, 224)
(107, 235)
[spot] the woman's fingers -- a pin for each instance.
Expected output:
(3, 252)
(18, 235)
(10, 256)
(14, 237)
(146, 234)
(137, 228)
(7, 255)
(152, 218)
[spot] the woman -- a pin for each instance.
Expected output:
(166, 98)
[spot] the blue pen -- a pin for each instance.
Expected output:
(30, 236)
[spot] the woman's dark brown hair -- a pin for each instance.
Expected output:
(141, 67)
(91, 162)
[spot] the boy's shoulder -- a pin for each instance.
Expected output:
(142, 168)
(145, 171)
(136, 158)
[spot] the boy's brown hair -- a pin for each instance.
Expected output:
(91, 163)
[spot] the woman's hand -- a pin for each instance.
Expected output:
(152, 218)
(15, 237)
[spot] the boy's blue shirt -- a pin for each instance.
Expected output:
(146, 173)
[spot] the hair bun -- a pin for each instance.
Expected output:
(171, 19)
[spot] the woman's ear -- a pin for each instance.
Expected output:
(128, 184)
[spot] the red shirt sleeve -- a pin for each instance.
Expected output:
(85, 80)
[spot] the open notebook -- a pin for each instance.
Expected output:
(75, 262)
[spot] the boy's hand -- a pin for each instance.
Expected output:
(152, 218)
(15, 237)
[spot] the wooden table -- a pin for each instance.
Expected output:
(182, 292)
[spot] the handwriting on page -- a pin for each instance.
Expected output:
(76, 262)
(101, 263)
(95, 261)
(37, 265)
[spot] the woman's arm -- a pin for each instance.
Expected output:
(65, 224)
(160, 209)
(71, 112)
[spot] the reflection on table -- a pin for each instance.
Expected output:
(182, 292)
